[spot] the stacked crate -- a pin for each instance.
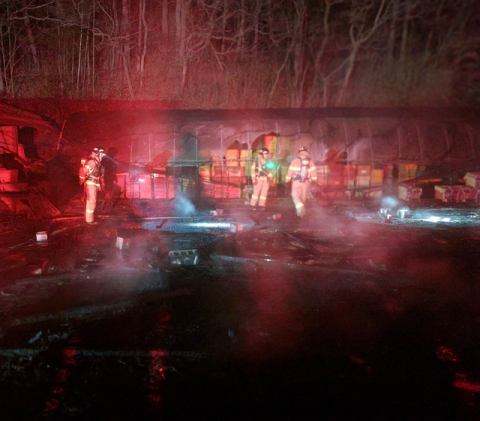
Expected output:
(323, 175)
(409, 193)
(146, 186)
(451, 194)
(163, 186)
(218, 173)
(245, 158)
(456, 194)
(271, 144)
(472, 179)
(362, 178)
(234, 182)
(205, 177)
(470, 194)
(349, 175)
(333, 178)
(8, 176)
(232, 157)
(376, 180)
(340, 178)
(407, 171)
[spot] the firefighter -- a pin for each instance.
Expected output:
(302, 170)
(93, 175)
(261, 179)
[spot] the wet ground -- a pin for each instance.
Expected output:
(345, 314)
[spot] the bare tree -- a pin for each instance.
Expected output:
(142, 39)
(242, 52)
(125, 30)
(363, 27)
(319, 40)
(31, 39)
(181, 30)
(165, 18)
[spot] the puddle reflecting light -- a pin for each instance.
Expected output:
(439, 219)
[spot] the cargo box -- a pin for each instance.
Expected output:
(449, 193)
(472, 179)
(377, 178)
(363, 181)
(409, 193)
(8, 176)
(13, 186)
(323, 175)
(470, 193)
(407, 171)
(363, 170)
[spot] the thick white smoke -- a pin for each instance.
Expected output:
(183, 206)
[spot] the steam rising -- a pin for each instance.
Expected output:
(183, 206)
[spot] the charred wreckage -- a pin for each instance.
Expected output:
(186, 301)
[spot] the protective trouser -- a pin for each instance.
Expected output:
(299, 196)
(91, 190)
(260, 192)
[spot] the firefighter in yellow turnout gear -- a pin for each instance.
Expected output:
(261, 179)
(93, 179)
(302, 170)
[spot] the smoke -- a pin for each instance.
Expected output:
(183, 206)
(389, 202)
(319, 220)
(361, 149)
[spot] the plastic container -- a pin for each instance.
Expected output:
(42, 236)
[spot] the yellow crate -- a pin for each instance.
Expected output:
(232, 157)
(363, 170)
(377, 178)
(407, 171)
(363, 180)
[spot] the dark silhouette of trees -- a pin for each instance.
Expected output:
(244, 53)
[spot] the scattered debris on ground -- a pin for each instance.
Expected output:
(167, 316)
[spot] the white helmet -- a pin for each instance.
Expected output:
(98, 151)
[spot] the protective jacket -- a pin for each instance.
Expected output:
(261, 177)
(260, 170)
(93, 184)
(93, 173)
(302, 169)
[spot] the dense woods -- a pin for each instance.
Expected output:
(244, 53)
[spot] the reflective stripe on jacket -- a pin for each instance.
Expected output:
(296, 166)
